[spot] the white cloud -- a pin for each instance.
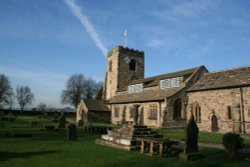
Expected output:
(76, 10)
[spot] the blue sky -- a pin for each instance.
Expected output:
(44, 42)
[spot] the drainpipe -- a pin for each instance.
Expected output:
(242, 111)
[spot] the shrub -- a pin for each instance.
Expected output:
(71, 135)
(192, 131)
(232, 143)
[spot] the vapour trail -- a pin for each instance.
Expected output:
(77, 12)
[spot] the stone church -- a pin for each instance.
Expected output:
(168, 100)
(220, 101)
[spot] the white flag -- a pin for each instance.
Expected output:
(125, 38)
(125, 33)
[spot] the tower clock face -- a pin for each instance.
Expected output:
(127, 59)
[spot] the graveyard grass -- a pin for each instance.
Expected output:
(52, 149)
(204, 137)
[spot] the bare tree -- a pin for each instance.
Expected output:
(6, 92)
(77, 88)
(24, 96)
(41, 107)
(92, 87)
(74, 91)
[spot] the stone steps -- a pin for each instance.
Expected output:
(125, 137)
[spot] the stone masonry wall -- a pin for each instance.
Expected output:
(146, 121)
(216, 102)
(111, 75)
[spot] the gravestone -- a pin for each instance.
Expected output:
(71, 133)
(191, 150)
(62, 121)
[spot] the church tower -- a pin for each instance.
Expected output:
(123, 66)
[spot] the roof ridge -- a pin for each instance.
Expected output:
(163, 76)
(172, 72)
(230, 69)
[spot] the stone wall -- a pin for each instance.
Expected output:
(146, 120)
(215, 103)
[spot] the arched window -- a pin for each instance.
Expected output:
(177, 108)
(152, 111)
(132, 65)
(197, 113)
(229, 112)
(110, 65)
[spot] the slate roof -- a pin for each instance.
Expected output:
(223, 79)
(147, 95)
(96, 105)
(155, 80)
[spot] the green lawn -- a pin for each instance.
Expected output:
(204, 137)
(52, 149)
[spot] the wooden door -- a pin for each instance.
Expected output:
(214, 122)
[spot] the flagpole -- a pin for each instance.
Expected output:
(125, 38)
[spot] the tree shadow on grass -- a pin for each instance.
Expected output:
(4, 156)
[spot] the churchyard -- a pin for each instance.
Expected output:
(51, 148)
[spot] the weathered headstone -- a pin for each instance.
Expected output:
(72, 133)
(62, 121)
(191, 150)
